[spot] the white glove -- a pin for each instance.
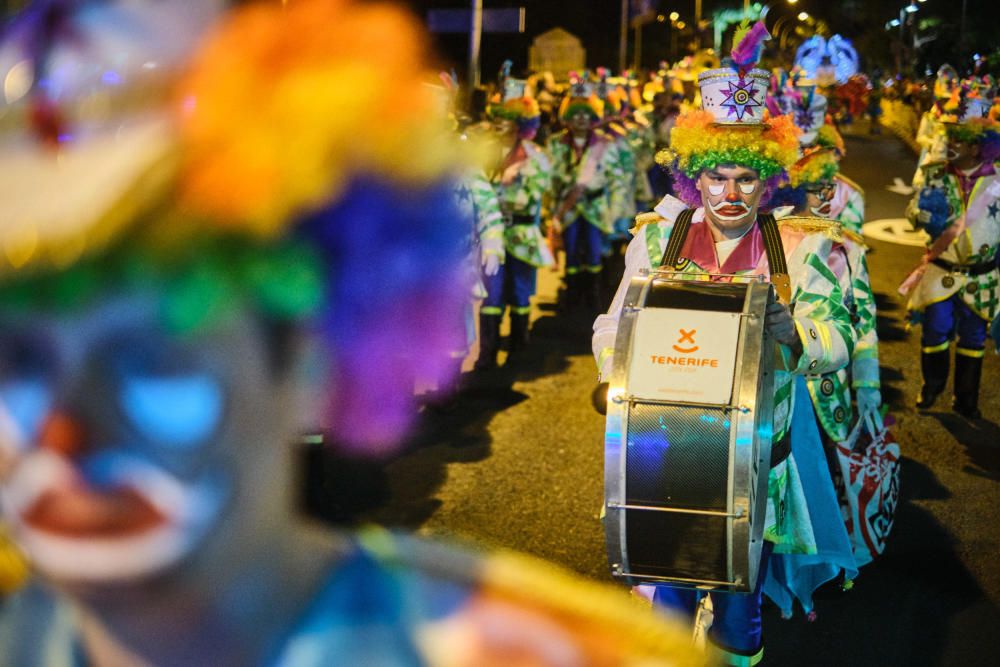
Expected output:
(869, 401)
(491, 264)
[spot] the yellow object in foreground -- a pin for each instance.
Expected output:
(13, 565)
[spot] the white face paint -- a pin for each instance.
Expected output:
(716, 189)
(731, 207)
(746, 188)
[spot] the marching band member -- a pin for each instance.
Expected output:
(954, 290)
(727, 160)
(586, 178)
(207, 276)
(520, 175)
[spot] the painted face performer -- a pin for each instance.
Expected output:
(585, 172)
(798, 97)
(955, 288)
(520, 174)
(188, 284)
(727, 160)
(792, 577)
(930, 134)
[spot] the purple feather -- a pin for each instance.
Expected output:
(747, 53)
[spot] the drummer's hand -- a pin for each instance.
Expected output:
(491, 264)
(781, 326)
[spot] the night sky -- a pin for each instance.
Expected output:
(596, 23)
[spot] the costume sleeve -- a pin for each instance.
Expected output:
(864, 361)
(822, 318)
(538, 180)
(853, 215)
(606, 325)
(489, 220)
(620, 164)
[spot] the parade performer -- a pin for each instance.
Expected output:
(727, 159)
(931, 136)
(794, 576)
(195, 278)
(478, 203)
(954, 289)
(521, 176)
(613, 127)
(798, 96)
(585, 173)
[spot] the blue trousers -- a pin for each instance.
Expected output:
(513, 285)
(736, 616)
(943, 320)
(584, 245)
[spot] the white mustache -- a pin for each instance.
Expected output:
(716, 207)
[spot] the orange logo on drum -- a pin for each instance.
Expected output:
(686, 336)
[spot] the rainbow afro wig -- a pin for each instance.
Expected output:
(816, 166)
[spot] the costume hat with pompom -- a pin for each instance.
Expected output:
(581, 97)
(731, 127)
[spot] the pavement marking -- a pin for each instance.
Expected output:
(895, 230)
(899, 187)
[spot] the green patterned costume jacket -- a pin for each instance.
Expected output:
(821, 318)
(831, 392)
(642, 139)
(976, 244)
(597, 170)
(478, 202)
(848, 205)
(521, 186)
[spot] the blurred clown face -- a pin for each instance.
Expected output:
(580, 122)
(123, 446)
(819, 197)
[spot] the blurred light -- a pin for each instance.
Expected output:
(792, 2)
(681, 25)
(894, 23)
(910, 8)
(661, 18)
(803, 16)
(112, 78)
(18, 81)
(674, 16)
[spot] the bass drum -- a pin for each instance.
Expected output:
(688, 432)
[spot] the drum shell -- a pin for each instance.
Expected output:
(685, 483)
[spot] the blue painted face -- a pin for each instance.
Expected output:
(122, 446)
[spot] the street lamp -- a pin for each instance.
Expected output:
(803, 16)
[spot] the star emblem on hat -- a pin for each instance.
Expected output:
(995, 210)
(804, 119)
(740, 99)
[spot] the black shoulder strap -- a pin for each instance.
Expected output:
(772, 243)
(677, 236)
(775, 257)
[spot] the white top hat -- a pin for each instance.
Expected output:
(732, 97)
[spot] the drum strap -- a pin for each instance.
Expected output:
(772, 247)
(677, 237)
(775, 257)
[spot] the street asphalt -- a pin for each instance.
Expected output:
(516, 462)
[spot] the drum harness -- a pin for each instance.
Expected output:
(775, 252)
